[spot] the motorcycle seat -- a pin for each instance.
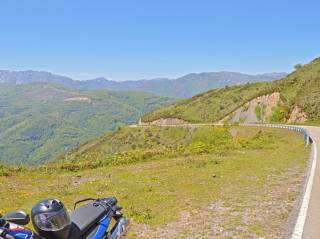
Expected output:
(84, 218)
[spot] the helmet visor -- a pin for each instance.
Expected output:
(52, 221)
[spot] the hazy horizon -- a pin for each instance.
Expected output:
(151, 78)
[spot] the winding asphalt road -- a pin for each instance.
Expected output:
(311, 228)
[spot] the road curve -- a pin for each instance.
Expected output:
(311, 229)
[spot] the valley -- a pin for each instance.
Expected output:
(40, 121)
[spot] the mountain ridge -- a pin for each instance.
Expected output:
(181, 87)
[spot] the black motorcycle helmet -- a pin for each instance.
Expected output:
(51, 219)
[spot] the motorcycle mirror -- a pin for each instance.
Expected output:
(17, 217)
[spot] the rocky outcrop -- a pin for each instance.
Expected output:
(258, 110)
(297, 116)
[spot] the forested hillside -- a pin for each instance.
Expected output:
(39, 121)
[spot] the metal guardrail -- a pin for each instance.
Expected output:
(307, 138)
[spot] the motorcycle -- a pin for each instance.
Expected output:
(90, 221)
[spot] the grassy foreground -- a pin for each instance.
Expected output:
(178, 182)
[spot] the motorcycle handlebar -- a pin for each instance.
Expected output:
(4, 235)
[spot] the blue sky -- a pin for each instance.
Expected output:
(134, 39)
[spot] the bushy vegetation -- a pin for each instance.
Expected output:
(130, 145)
(5, 171)
(260, 111)
(301, 88)
(40, 121)
(12, 170)
(280, 114)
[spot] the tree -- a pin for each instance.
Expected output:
(297, 66)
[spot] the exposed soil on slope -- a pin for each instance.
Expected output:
(258, 110)
(78, 98)
(297, 116)
(261, 109)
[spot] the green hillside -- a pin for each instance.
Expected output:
(40, 121)
(300, 89)
(212, 105)
(217, 180)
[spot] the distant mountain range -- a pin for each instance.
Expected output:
(183, 87)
